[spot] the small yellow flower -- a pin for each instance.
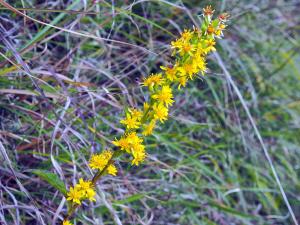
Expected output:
(187, 35)
(67, 222)
(75, 195)
(112, 170)
(133, 117)
(138, 154)
(87, 188)
(83, 185)
(123, 144)
(183, 47)
(187, 69)
(90, 194)
(182, 81)
(99, 161)
(152, 80)
(199, 64)
(164, 95)
(209, 45)
(134, 139)
(128, 142)
(130, 122)
(148, 129)
(160, 112)
(171, 72)
(136, 113)
(218, 32)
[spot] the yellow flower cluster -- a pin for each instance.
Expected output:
(99, 161)
(82, 190)
(133, 144)
(190, 51)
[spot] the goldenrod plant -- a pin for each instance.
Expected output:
(189, 52)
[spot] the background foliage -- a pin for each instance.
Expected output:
(205, 165)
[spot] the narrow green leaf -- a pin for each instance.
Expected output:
(52, 179)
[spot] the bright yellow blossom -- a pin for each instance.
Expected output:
(187, 35)
(128, 141)
(130, 122)
(133, 117)
(112, 170)
(160, 112)
(123, 143)
(171, 72)
(138, 154)
(75, 195)
(209, 45)
(183, 47)
(164, 95)
(135, 113)
(199, 64)
(84, 185)
(134, 139)
(133, 146)
(99, 161)
(90, 194)
(152, 80)
(148, 128)
(182, 81)
(87, 188)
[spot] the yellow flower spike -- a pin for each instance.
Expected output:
(112, 170)
(128, 141)
(191, 50)
(66, 222)
(75, 195)
(164, 96)
(160, 112)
